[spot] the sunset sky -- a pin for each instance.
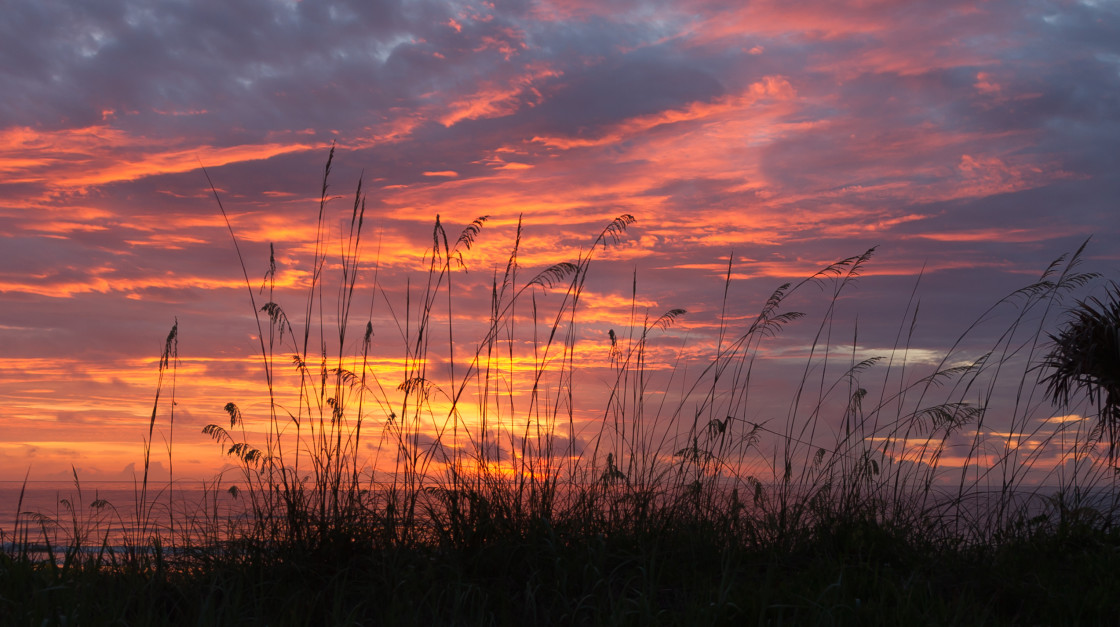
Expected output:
(973, 142)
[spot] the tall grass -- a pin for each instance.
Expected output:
(477, 464)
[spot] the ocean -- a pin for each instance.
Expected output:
(113, 514)
(110, 515)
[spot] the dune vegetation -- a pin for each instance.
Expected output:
(470, 488)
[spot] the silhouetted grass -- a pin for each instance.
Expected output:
(488, 498)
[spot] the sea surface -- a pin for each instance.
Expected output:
(113, 514)
(99, 516)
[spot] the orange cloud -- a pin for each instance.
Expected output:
(63, 158)
(104, 281)
(990, 235)
(985, 85)
(772, 88)
(493, 100)
(991, 175)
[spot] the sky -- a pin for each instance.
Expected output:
(971, 143)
